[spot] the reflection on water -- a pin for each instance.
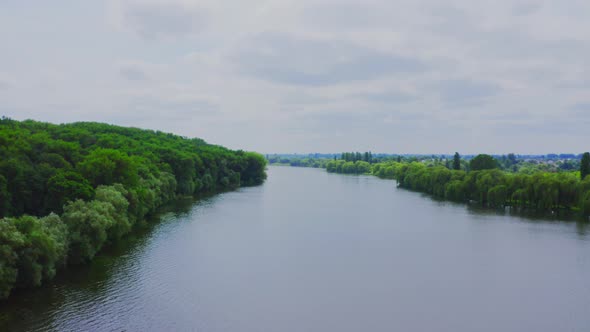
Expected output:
(524, 214)
(24, 309)
(312, 251)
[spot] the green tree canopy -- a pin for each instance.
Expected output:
(102, 179)
(66, 186)
(457, 161)
(585, 165)
(483, 161)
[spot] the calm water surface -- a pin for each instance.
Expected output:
(311, 251)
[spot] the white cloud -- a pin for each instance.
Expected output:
(163, 20)
(297, 76)
(133, 73)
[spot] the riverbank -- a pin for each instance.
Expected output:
(67, 191)
(544, 192)
(300, 251)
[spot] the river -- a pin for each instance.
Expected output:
(312, 251)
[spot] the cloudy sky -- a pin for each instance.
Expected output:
(303, 76)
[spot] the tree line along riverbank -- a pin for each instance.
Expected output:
(492, 182)
(68, 190)
(541, 191)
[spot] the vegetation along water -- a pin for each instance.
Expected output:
(524, 183)
(316, 251)
(68, 190)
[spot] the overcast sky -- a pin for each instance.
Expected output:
(309, 76)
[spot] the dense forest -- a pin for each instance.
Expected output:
(543, 191)
(484, 179)
(68, 190)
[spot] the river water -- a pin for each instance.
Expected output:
(312, 251)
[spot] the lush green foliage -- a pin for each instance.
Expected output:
(527, 164)
(317, 160)
(483, 161)
(101, 179)
(585, 165)
(348, 167)
(547, 182)
(492, 187)
(456, 161)
(298, 161)
(357, 156)
(31, 250)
